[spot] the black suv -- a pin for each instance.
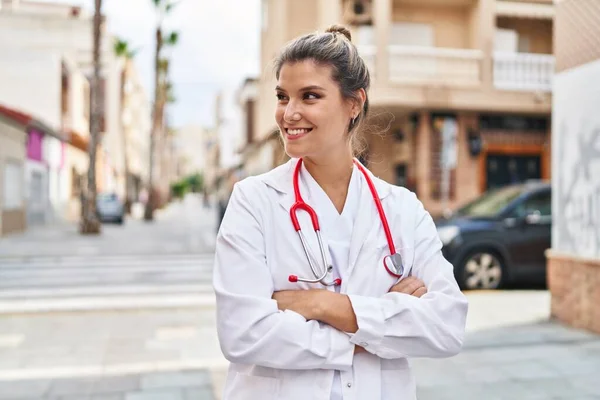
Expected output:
(500, 237)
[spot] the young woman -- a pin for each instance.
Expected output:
(330, 305)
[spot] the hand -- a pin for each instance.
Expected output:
(411, 286)
(304, 302)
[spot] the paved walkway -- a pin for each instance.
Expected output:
(48, 353)
(182, 227)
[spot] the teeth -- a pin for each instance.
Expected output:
(297, 131)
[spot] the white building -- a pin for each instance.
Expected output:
(191, 148)
(47, 56)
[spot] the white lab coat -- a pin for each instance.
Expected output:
(281, 355)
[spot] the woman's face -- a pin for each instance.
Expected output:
(311, 113)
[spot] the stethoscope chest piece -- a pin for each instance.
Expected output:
(393, 264)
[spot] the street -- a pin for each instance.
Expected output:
(130, 315)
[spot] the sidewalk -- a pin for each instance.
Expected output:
(502, 357)
(181, 227)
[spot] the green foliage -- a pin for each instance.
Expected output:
(195, 182)
(192, 183)
(179, 189)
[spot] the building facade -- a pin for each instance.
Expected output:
(574, 260)
(461, 89)
(47, 51)
(13, 138)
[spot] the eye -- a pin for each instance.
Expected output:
(281, 97)
(311, 96)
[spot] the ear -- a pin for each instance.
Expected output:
(359, 102)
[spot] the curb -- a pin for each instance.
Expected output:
(114, 303)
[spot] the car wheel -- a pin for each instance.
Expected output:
(481, 269)
(120, 221)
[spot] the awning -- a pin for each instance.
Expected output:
(524, 10)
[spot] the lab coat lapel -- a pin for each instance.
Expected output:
(367, 222)
(284, 184)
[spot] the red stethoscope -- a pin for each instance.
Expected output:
(392, 262)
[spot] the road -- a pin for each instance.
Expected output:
(130, 315)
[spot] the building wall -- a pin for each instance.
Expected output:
(35, 39)
(451, 25)
(12, 149)
(30, 81)
(574, 261)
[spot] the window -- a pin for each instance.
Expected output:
(401, 178)
(13, 185)
(539, 203)
(513, 123)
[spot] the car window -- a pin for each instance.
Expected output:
(107, 197)
(538, 203)
(491, 203)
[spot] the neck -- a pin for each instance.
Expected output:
(332, 172)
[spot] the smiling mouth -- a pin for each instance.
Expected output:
(297, 131)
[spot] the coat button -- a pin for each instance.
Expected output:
(349, 384)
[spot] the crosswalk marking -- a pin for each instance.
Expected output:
(113, 279)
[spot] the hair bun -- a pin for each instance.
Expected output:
(340, 29)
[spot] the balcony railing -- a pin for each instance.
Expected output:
(523, 71)
(429, 65)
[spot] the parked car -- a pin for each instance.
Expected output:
(110, 208)
(500, 237)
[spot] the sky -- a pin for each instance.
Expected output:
(218, 49)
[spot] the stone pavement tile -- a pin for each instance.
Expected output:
(485, 374)
(437, 375)
(575, 366)
(589, 384)
(529, 370)
(159, 394)
(26, 389)
(116, 384)
(66, 387)
(553, 387)
(577, 398)
(457, 392)
(107, 397)
(175, 379)
(204, 393)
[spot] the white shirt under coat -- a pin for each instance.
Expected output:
(279, 354)
(336, 228)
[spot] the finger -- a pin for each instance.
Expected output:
(420, 291)
(411, 286)
(404, 283)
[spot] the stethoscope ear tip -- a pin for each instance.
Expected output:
(337, 282)
(293, 278)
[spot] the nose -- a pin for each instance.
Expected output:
(292, 113)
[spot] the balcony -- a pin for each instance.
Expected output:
(429, 65)
(523, 71)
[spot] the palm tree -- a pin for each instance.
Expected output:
(123, 50)
(90, 223)
(163, 8)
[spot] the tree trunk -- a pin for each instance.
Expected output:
(125, 133)
(149, 211)
(90, 223)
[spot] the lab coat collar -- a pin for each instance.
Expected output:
(281, 179)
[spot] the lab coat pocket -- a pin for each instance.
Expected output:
(252, 387)
(398, 382)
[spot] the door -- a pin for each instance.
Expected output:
(502, 170)
(530, 234)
